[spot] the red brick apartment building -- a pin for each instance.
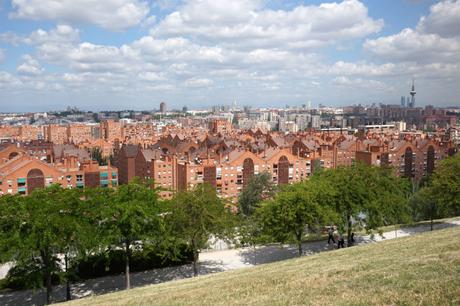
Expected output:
(228, 160)
(21, 172)
(182, 157)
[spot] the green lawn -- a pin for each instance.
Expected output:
(417, 270)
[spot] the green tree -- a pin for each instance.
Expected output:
(77, 231)
(11, 216)
(259, 188)
(424, 206)
(370, 193)
(197, 215)
(42, 229)
(130, 217)
(445, 186)
(96, 154)
(40, 234)
(293, 210)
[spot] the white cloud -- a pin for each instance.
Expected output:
(8, 81)
(150, 76)
(239, 49)
(30, 67)
(198, 82)
(362, 69)
(108, 14)
(246, 24)
(434, 40)
(2, 55)
(353, 83)
(392, 70)
(409, 45)
(444, 19)
(10, 38)
(61, 34)
(72, 77)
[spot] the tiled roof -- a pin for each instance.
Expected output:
(130, 150)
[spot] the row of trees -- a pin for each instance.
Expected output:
(438, 196)
(362, 196)
(345, 197)
(49, 231)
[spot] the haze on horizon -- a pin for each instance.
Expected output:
(133, 54)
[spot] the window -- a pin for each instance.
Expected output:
(21, 182)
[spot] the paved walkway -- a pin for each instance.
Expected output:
(210, 262)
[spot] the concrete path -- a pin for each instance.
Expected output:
(210, 262)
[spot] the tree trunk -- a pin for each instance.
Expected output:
(299, 243)
(48, 280)
(49, 287)
(431, 222)
(127, 256)
(431, 216)
(68, 295)
(349, 230)
(195, 261)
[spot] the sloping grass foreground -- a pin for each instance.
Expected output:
(418, 270)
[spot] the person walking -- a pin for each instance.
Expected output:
(330, 233)
(340, 241)
(352, 239)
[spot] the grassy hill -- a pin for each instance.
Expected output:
(417, 270)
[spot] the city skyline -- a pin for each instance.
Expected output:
(133, 54)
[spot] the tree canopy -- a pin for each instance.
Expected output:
(293, 210)
(196, 215)
(260, 187)
(445, 186)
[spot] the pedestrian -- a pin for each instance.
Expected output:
(340, 242)
(330, 233)
(336, 235)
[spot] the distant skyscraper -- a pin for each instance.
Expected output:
(403, 101)
(315, 121)
(163, 107)
(412, 93)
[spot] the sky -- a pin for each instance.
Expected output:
(134, 54)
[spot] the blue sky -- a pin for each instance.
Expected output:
(133, 54)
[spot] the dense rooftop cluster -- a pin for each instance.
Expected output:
(198, 150)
